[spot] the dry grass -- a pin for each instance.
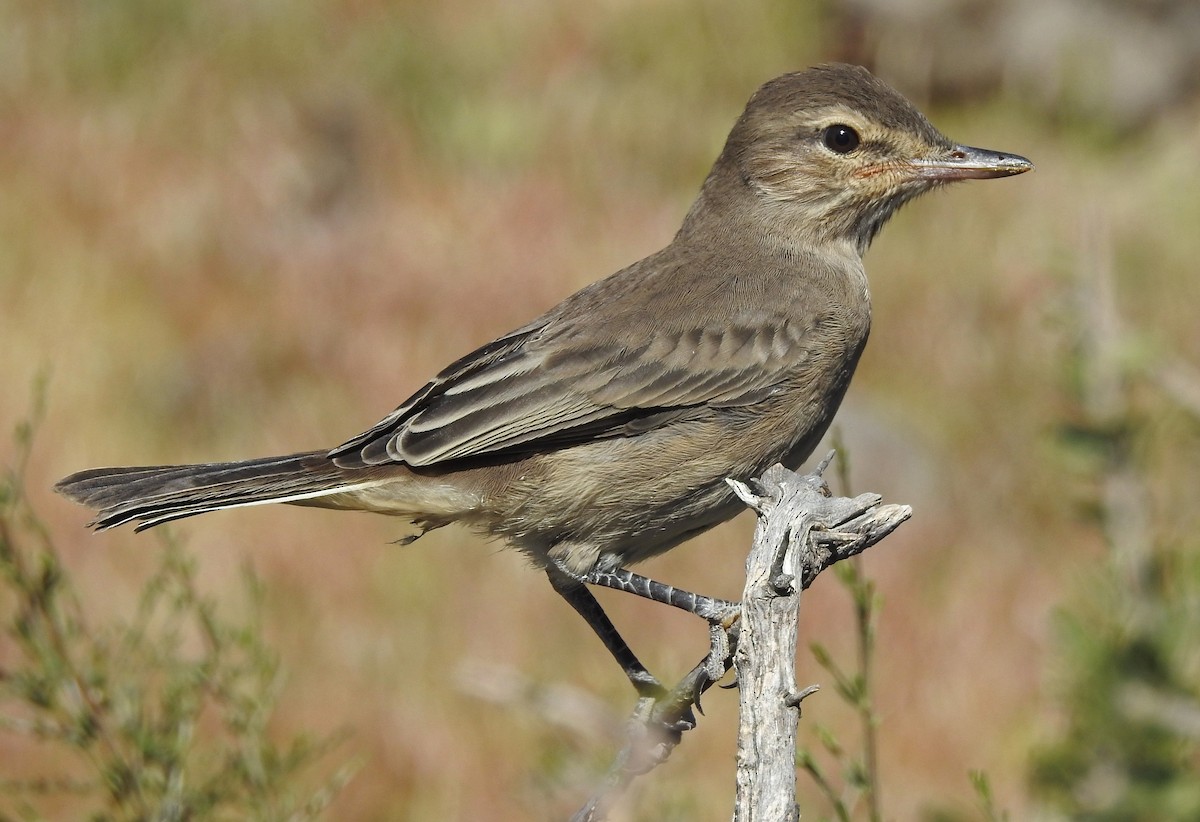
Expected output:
(232, 232)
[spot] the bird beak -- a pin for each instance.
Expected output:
(967, 163)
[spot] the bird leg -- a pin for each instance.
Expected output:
(715, 611)
(573, 591)
(721, 615)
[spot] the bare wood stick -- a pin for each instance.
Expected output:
(802, 530)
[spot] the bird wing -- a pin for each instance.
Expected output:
(554, 383)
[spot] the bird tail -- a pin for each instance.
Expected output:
(152, 495)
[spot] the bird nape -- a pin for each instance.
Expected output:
(601, 433)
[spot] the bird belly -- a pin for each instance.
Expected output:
(614, 502)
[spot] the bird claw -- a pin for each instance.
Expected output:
(685, 720)
(664, 718)
(720, 653)
(647, 685)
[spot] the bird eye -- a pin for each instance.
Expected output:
(841, 139)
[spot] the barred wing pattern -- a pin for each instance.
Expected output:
(545, 385)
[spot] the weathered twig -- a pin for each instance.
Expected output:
(802, 530)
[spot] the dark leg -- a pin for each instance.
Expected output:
(574, 592)
(714, 610)
(721, 615)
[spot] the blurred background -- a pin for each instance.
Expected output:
(240, 229)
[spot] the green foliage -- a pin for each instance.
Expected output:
(987, 801)
(860, 773)
(1132, 697)
(1129, 652)
(161, 717)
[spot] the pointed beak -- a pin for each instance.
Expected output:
(967, 163)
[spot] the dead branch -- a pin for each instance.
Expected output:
(802, 530)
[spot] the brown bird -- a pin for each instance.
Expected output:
(601, 433)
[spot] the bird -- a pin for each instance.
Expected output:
(601, 433)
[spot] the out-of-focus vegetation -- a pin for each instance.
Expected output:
(1128, 671)
(161, 716)
(230, 230)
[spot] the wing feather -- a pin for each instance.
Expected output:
(589, 369)
(535, 392)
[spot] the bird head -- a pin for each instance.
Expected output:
(830, 153)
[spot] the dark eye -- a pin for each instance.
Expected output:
(841, 139)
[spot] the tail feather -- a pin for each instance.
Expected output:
(152, 495)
